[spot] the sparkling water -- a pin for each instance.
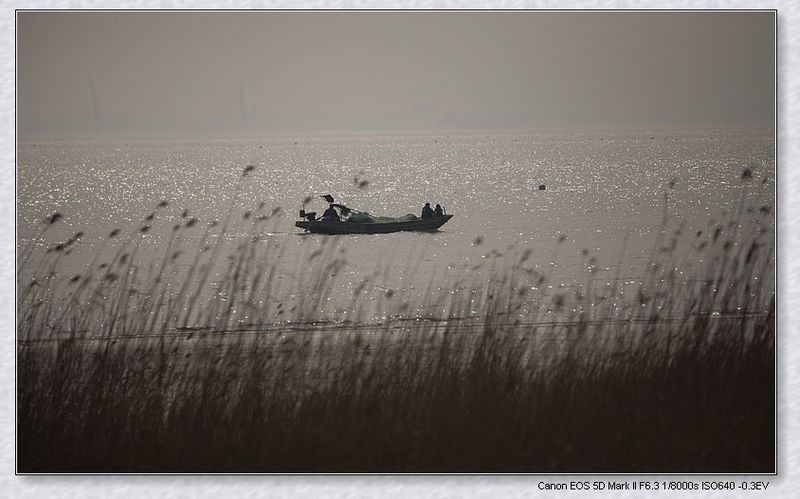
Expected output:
(606, 196)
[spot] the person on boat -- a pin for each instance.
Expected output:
(438, 212)
(427, 212)
(330, 215)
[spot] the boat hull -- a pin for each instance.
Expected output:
(425, 225)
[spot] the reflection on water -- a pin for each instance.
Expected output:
(607, 192)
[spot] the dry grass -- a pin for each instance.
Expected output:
(679, 379)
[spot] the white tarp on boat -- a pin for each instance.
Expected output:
(365, 217)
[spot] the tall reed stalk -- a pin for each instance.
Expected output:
(212, 367)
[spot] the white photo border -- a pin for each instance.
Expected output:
(785, 484)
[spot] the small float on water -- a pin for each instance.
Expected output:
(350, 221)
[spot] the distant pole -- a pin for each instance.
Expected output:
(241, 101)
(93, 97)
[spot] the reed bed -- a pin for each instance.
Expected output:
(137, 367)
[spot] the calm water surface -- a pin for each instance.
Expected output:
(605, 192)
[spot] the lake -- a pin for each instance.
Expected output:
(606, 197)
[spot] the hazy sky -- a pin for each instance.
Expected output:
(320, 71)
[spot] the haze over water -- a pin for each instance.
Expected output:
(83, 73)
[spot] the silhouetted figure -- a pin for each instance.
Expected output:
(427, 212)
(438, 212)
(330, 215)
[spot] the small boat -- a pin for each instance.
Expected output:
(339, 219)
(352, 227)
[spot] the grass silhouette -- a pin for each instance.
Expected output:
(134, 368)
